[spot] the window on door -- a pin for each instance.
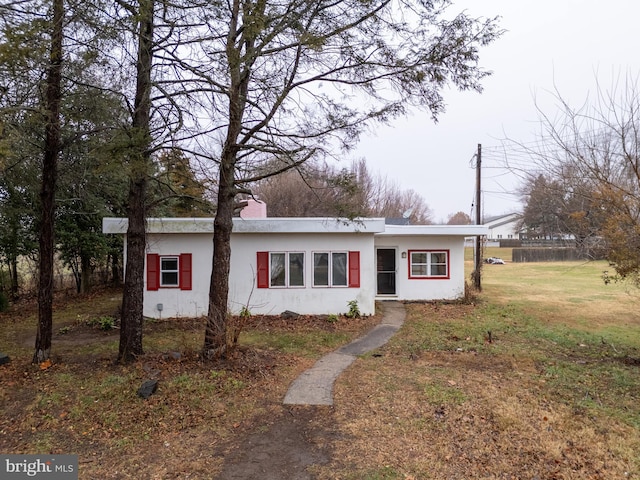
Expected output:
(386, 271)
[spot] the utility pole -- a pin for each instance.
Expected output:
(478, 249)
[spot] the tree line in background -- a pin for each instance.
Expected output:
(586, 185)
(324, 190)
(140, 108)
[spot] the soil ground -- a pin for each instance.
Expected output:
(284, 447)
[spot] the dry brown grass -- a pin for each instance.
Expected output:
(553, 395)
(469, 414)
(86, 405)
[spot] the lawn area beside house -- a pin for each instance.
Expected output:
(537, 379)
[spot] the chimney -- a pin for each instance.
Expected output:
(254, 209)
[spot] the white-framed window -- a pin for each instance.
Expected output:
(169, 271)
(330, 269)
(286, 269)
(428, 264)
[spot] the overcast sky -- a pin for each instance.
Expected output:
(549, 44)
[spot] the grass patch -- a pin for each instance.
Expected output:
(87, 405)
(537, 379)
(309, 344)
(550, 393)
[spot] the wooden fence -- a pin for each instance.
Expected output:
(562, 254)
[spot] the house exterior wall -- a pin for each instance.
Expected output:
(506, 231)
(188, 242)
(243, 290)
(176, 302)
(426, 288)
(307, 299)
(504, 227)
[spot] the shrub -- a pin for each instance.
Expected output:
(332, 318)
(106, 323)
(103, 323)
(354, 309)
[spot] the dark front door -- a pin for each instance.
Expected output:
(386, 271)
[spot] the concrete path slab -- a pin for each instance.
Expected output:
(315, 386)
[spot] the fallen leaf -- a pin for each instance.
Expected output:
(46, 364)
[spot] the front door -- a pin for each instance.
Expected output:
(386, 271)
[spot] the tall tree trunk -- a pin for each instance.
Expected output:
(13, 274)
(132, 298)
(216, 340)
(85, 274)
(48, 188)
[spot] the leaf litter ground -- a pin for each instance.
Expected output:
(440, 403)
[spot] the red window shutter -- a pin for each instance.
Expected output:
(354, 269)
(185, 271)
(263, 269)
(153, 271)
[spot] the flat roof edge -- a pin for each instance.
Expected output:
(253, 225)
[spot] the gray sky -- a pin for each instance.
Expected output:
(563, 44)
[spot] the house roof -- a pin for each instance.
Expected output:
(295, 225)
(253, 225)
(493, 222)
(435, 230)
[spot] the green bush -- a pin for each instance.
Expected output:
(332, 318)
(354, 309)
(103, 323)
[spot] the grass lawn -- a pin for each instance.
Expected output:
(538, 379)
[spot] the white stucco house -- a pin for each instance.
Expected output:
(306, 265)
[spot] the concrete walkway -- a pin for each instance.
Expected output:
(315, 386)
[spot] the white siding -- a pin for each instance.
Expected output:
(432, 288)
(308, 235)
(243, 289)
(176, 302)
(307, 300)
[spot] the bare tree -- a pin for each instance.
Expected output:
(386, 198)
(312, 191)
(139, 164)
(459, 218)
(592, 153)
(300, 79)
